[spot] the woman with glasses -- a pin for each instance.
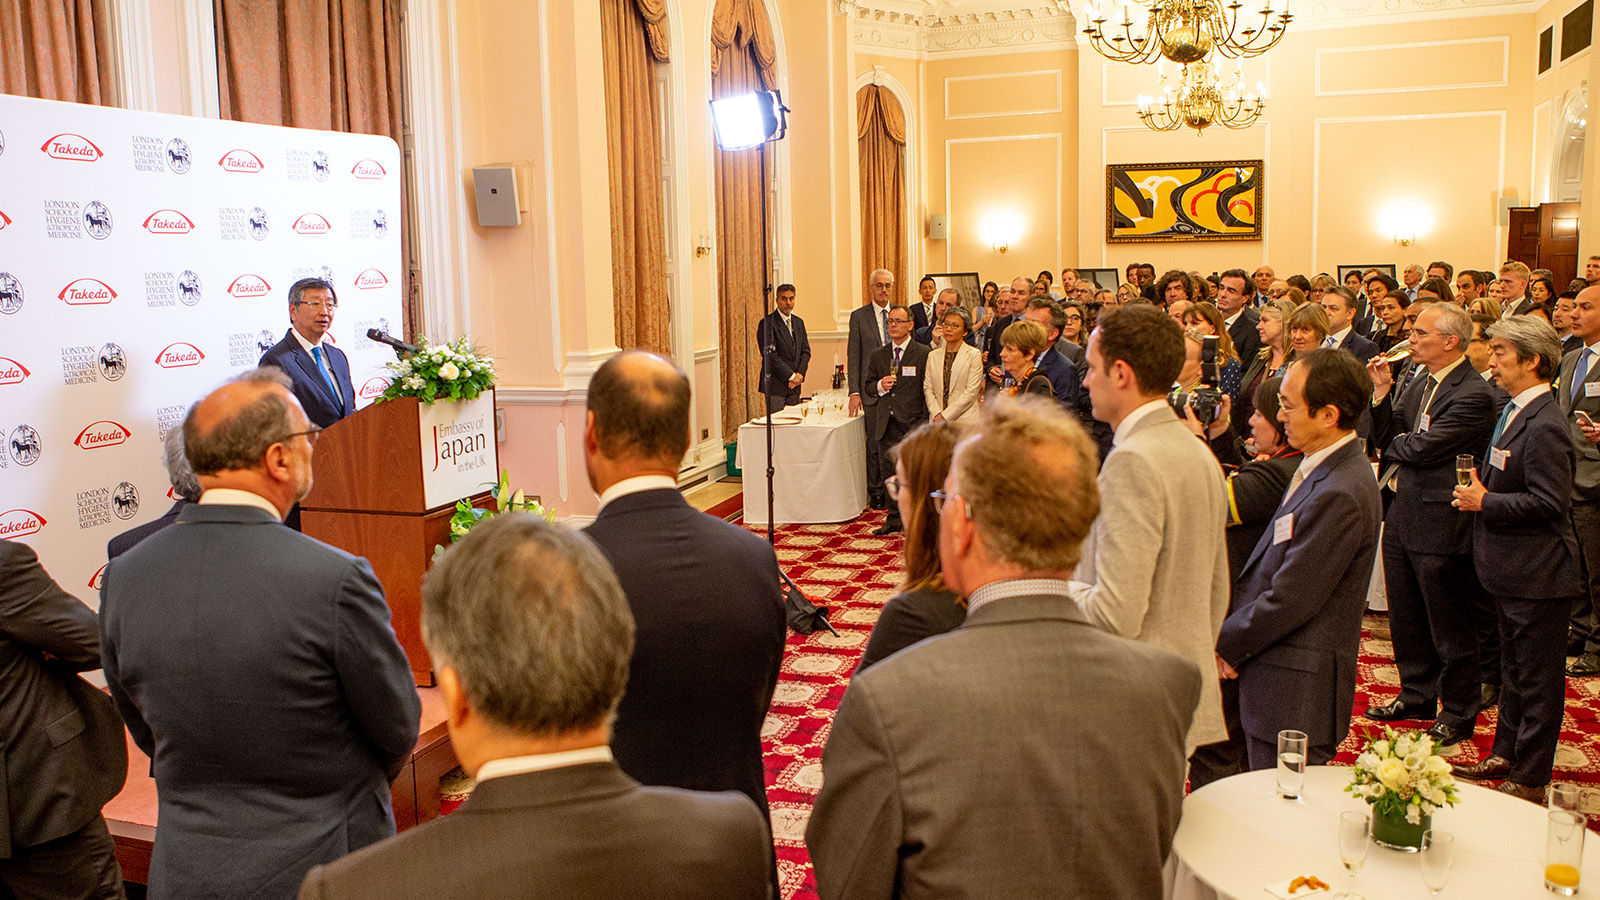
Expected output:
(954, 380)
(925, 606)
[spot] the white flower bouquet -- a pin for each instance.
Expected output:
(453, 371)
(1405, 781)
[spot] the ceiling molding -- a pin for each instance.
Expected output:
(933, 28)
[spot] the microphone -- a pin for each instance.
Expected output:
(384, 338)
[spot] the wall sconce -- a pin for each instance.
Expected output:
(702, 243)
(1404, 220)
(1000, 229)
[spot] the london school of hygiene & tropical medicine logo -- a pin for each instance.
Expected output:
(248, 287)
(87, 292)
(15, 523)
(104, 433)
(320, 167)
(179, 355)
(368, 170)
(71, 147)
(10, 294)
(97, 220)
(168, 221)
(178, 157)
(113, 362)
(24, 445)
(241, 161)
(12, 372)
(189, 288)
(125, 500)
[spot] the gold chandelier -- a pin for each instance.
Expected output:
(1200, 100)
(1186, 31)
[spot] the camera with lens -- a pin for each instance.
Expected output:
(1206, 397)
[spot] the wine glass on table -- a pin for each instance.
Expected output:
(1436, 858)
(1563, 851)
(1354, 828)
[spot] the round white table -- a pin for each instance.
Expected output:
(1237, 836)
(821, 464)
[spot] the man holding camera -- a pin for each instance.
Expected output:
(1160, 575)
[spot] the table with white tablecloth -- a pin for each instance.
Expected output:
(820, 462)
(1237, 836)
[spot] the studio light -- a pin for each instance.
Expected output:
(749, 120)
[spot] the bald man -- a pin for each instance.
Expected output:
(255, 666)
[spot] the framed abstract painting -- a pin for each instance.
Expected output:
(1184, 201)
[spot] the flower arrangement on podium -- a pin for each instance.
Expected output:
(453, 371)
(1405, 780)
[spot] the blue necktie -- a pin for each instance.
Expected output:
(316, 354)
(1578, 374)
(1500, 426)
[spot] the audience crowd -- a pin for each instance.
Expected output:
(1139, 532)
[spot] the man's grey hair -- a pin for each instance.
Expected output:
(1530, 336)
(531, 618)
(241, 439)
(184, 484)
(877, 272)
(1453, 321)
(298, 289)
(1413, 267)
(954, 302)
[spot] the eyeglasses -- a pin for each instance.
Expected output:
(311, 435)
(940, 498)
(1074, 317)
(329, 305)
(892, 486)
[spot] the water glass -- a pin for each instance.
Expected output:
(1291, 763)
(1564, 795)
(1354, 828)
(1438, 854)
(1563, 851)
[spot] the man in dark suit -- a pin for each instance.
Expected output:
(704, 593)
(942, 304)
(1063, 375)
(529, 703)
(1522, 504)
(892, 389)
(1578, 390)
(781, 338)
(62, 755)
(1237, 313)
(1292, 636)
(1427, 544)
(995, 374)
(255, 666)
(318, 370)
(1340, 305)
(869, 330)
(185, 488)
(922, 309)
(975, 795)
(1514, 299)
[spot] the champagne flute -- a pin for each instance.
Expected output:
(1398, 352)
(1438, 854)
(1464, 469)
(1353, 831)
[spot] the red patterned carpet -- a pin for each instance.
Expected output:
(848, 570)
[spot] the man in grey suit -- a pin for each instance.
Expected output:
(1292, 639)
(869, 330)
(1051, 764)
(1155, 567)
(254, 665)
(62, 755)
(531, 635)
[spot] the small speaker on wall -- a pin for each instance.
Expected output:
(496, 188)
(939, 227)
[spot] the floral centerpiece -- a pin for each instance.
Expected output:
(454, 371)
(1405, 780)
(467, 516)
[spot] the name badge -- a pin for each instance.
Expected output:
(908, 371)
(1591, 389)
(1282, 529)
(1426, 421)
(1498, 457)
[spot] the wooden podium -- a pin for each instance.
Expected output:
(386, 481)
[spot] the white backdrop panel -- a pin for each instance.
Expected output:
(144, 259)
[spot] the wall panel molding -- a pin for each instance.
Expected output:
(1502, 41)
(1025, 111)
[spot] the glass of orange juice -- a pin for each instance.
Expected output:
(1563, 851)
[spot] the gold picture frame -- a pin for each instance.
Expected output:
(1185, 201)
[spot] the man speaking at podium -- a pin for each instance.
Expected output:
(320, 372)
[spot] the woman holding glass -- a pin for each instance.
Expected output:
(1020, 345)
(954, 378)
(925, 606)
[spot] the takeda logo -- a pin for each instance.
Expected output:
(371, 280)
(4, 220)
(71, 146)
(179, 355)
(238, 160)
(311, 223)
(15, 523)
(371, 390)
(104, 433)
(87, 292)
(248, 286)
(11, 371)
(368, 169)
(168, 221)
(98, 577)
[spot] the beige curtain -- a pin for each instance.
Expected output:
(742, 60)
(881, 145)
(56, 50)
(328, 64)
(633, 40)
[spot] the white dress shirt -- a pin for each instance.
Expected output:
(539, 762)
(1520, 402)
(1311, 461)
(236, 497)
(634, 485)
(1337, 338)
(306, 345)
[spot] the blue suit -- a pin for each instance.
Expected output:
(1296, 623)
(319, 402)
(258, 670)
